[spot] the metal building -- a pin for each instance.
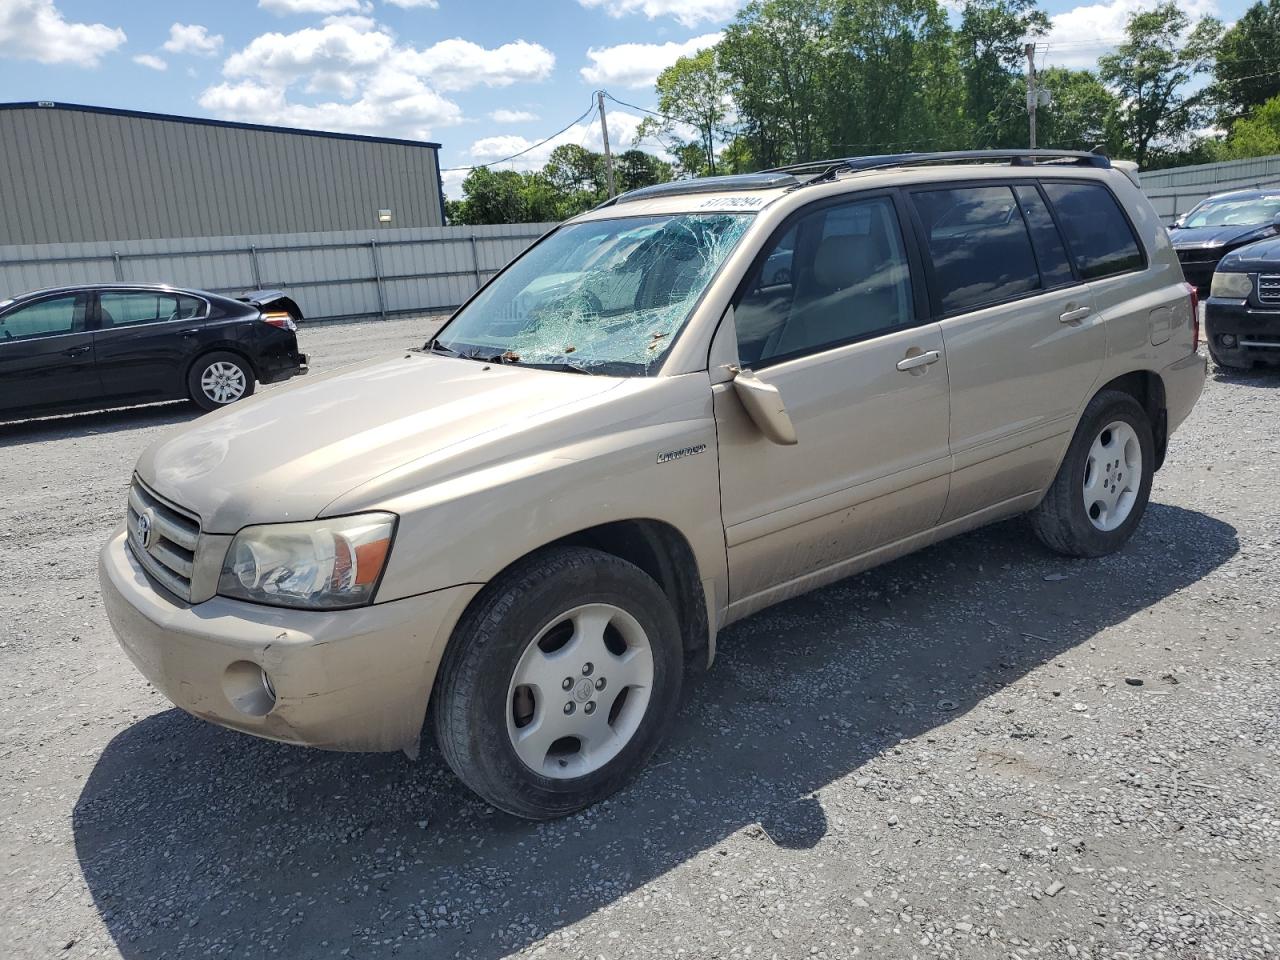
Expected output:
(72, 173)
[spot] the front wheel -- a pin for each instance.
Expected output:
(218, 379)
(559, 682)
(1101, 490)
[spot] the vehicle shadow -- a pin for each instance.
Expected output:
(76, 425)
(194, 839)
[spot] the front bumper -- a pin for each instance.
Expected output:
(341, 680)
(1198, 265)
(1256, 331)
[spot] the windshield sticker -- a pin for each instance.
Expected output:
(733, 203)
(683, 452)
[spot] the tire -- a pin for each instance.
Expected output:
(220, 375)
(480, 712)
(1064, 521)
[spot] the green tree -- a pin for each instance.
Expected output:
(1081, 113)
(990, 43)
(1257, 135)
(635, 168)
(1246, 69)
(774, 55)
(693, 91)
(1149, 73)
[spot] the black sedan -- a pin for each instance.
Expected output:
(107, 345)
(1218, 225)
(1242, 314)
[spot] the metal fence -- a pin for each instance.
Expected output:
(332, 276)
(1174, 192)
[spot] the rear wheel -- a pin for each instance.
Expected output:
(1100, 493)
(218, 379)
(559, 683)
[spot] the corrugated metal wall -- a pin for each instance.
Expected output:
(1174, 192)
(70, 175)
(331, 275)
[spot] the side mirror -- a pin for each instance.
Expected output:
(1275, 221)
(764, 406)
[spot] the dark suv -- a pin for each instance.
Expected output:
(1242, 314)
(85, 347)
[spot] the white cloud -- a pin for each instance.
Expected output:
(192, 38)
(363, 79)
(318, 7)
(147, 60)
(409, 114)
(1077, 37)
(411, 4)
(459, 64)
(688, 12)
(512, 116)
(37, 30)
(638, 64)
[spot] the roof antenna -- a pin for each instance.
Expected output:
(1100, 150)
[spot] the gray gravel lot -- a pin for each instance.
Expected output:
(982, 750)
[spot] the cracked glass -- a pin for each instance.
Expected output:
(604, 296)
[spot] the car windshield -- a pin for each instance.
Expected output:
(1230, 213)
(604, 296)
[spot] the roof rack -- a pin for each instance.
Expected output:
(827, 169)
(769, 180)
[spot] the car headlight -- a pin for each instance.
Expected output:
(318, 565)
(1237, 286)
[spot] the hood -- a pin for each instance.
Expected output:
(1260, 257)
(286, 455)
(1218, 236)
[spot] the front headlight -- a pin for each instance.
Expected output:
(1236, 286)
(318, 565)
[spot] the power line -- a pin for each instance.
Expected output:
(534, 146)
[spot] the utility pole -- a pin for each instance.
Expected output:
(1033, 95)
(608, 157)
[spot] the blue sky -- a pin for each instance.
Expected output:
(485, 78)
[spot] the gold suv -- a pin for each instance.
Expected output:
(692, 402)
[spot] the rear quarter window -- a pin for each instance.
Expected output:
(1097, 232)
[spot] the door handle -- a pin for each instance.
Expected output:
(1076, 313)
(191, 333)
(75, 351)
(919, 360)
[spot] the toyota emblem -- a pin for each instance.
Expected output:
(142, 530)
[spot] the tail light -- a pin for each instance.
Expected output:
(1195, 316)
(279, 319)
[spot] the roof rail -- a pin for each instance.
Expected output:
(768, 180)
(827, 169)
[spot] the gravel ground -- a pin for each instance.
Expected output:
(982, 750)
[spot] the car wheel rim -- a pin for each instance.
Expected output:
(223, 382)
(1112, 475)
(580, 691)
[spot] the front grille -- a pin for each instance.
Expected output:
(1195, 255)
(165, 541)
(1269, 287)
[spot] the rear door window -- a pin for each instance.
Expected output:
(127, 308)
(979, 245)
(1055, 266)
(1101, 241)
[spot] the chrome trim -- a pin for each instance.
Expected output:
(170, 551)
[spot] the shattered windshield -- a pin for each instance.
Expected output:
(605, 296)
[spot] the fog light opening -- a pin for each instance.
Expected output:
(249, 688)
(1228, 339)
